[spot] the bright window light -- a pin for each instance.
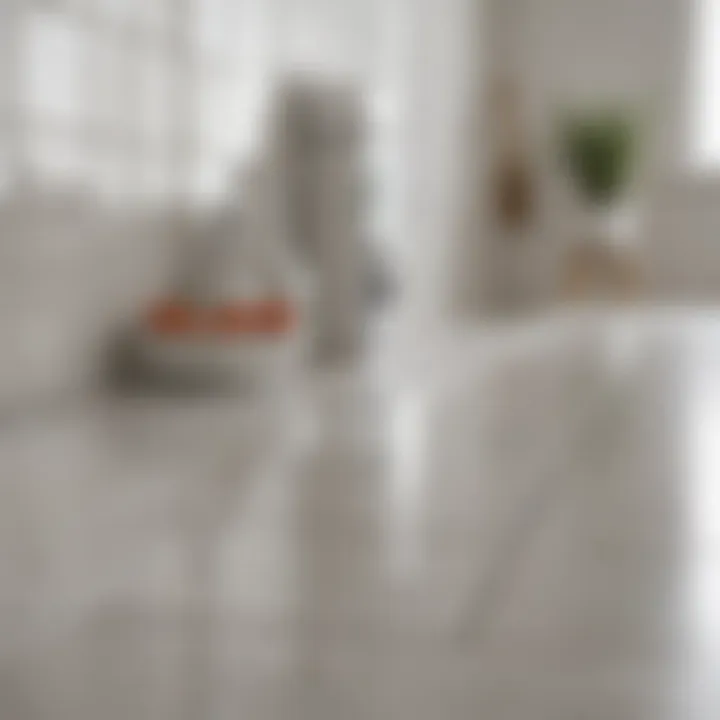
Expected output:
(705, 121)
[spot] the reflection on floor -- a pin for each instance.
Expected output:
(528, 528)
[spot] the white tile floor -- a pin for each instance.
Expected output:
(525, 526)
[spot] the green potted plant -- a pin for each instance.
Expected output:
(599, 150)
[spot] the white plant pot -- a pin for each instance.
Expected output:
(615, 226)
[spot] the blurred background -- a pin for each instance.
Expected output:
(130, 130)
(306, 305)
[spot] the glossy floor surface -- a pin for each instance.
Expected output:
(521, 525)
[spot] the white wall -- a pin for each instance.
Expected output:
(684, 242)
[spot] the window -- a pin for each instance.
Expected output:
(705, 120)
(54, 61)
(135, 99)
(86, 101)
(108, 94)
